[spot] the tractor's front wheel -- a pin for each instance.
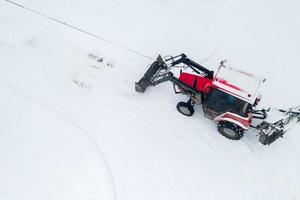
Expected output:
(230, 130)
(185, 108)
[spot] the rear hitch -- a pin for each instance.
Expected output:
(270, 132)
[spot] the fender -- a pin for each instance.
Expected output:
(243, 122)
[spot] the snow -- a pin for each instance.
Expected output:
(74, 128)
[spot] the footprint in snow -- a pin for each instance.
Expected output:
(30, 42)
(101, 61)
(82, 84)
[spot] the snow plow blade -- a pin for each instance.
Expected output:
(147, 79)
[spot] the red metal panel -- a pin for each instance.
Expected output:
(202, 83)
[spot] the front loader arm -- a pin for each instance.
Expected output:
(182, 58)
(159, 72)
(144, 83)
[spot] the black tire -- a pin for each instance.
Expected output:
(230, 130)
(185, 108)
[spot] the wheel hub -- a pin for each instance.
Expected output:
(185, 110)
(230, 132)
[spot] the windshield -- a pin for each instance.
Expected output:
(222, 102)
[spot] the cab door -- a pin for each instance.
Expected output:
(217, 102)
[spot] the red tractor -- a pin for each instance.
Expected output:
(227, 97)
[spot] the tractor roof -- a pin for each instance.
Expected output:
(240, 84)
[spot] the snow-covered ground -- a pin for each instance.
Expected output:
(72, 126)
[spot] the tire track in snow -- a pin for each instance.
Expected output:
(185, 173)
(203, 162)
(214, 156)
(75, 124)
(215, 159)
(180, 178)
(190, 170)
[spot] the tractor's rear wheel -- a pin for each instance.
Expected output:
(230, 130)
(185, 108)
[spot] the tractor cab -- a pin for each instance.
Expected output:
(233, 94)
(218, 102)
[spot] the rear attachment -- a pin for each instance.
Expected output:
(270, 132)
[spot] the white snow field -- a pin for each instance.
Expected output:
(72, 127)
